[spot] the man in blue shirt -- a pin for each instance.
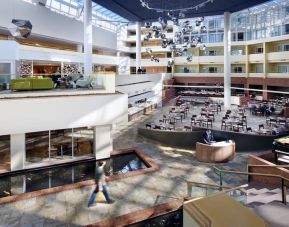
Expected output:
(208, 137)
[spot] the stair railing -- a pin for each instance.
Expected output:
(220, 173)
(214, 186)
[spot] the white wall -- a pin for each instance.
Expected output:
(47, 54)
(137, 84)
(11, 51)
(38, 114)
(51, 24)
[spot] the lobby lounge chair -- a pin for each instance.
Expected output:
(85, 82)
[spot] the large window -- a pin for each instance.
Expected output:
(37, 147)
(83, 138)
(101, 16)
(283, 47)
(58, 144)
(259, 68)
(5, 71)
(237, 69)
(211, 69)
(283, 68)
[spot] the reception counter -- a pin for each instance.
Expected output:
(215, 152)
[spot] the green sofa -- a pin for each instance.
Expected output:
(32, 83)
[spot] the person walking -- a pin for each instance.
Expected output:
(100, 184)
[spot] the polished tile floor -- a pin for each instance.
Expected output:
(68, 208)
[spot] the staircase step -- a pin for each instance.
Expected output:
(257, 191)
(275, 213)
(276, 190)
(264, 198)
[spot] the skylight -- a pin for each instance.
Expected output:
(101, 17)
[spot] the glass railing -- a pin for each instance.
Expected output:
(199, 190)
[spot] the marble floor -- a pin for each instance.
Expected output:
(69, 208)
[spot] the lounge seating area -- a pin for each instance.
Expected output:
(32, 83)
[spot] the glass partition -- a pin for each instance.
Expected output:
(83, 138)
(37, 147)
(61, 144)
(51, 146)
(5, 71)
(5, 153)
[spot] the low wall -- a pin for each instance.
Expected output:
(261, 160)
(244, 142)
(173, 138)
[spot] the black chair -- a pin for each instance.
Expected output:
(158, 127)
(272, 122)
(224, 125)
(228, 112)
(211, 116)
(188, 128)
(244, 120)
(165, 119)
(208, 122)
(239, 125)
(261, 126)
(249, 129)
(282, 122)
(148, 126)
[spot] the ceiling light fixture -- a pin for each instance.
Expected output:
(185, 29)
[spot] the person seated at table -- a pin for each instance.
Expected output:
(262, 108)
(208, 137)
(253, 109)
(270, 110)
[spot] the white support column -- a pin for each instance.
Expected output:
(138, 46)
(17, 151)
(102, 141)
(87, 37)
(227, 64)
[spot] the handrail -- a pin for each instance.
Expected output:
(207, 185)
(248, 173)
(282, 178)
(222, 192)
(256, 165)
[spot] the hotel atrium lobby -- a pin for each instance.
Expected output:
(144, 113)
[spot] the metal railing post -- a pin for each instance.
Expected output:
(283, 191)
(189, 189)
(221, 179)
(248, 171)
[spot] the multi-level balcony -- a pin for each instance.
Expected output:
(259, 75)
(256, 58)
(238, 59)
(198, 74)
(15, 51)
(132, 38)
(278, 56)
(149, 63)
(278, 75)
